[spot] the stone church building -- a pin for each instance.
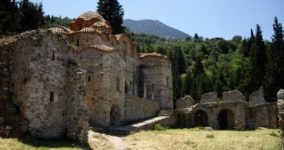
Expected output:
(59, 81)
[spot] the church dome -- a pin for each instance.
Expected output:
(89, 20)
(91, 15)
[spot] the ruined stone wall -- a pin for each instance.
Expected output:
(38, 79)
(186, 117)
(46, 92)
(11, 119)
(264, 115)
(280, 105)
(157, 85)
(137, 109)
(185, 102)
(256, 98)
(131, 75)
(210, 97)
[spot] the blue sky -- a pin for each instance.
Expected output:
(208, 18)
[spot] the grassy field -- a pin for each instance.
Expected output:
(200, 139)
(164, 139)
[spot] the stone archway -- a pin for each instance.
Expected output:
(200, 118)
(115, 116)
(226, 119)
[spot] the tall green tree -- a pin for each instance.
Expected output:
(113, 12)
(31, 16)
(9, 17)
(275, 72)
(177, 56)
(258, 59)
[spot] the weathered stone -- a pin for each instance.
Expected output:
(233, 96)
(210, 97)
(232, 113)
(185, 102)
(280, 94)
(280, 104)
(257, 98)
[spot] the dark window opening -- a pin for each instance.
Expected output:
(89, 78)
(78, 42)
(51, 98)
(167, 81)
(17, 109)
(117, 84)
(52, 56)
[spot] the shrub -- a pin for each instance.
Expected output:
(159, 127)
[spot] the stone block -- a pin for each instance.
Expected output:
(280, 94)
(185, 102)
(233, 96)
(257, 98)
(210, 97)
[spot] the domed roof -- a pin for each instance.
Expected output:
(90, 15)
(90, 20)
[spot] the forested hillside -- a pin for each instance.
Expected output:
(203, 65)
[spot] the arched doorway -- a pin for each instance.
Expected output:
(226, 119)
(200, 118)
(114, 116)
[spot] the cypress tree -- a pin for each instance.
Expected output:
(258, 59)
(113, 12)
(9, 17)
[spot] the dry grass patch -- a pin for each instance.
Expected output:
(29, 143)
(200, 139)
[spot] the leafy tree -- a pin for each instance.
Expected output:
(187, 83)
(113, 12)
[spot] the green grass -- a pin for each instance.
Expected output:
(202, 139)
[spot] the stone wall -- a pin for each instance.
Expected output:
(233, 96)
(185, 102)
(156, 78)
(187, 117)
(210, 97)
(134, 112)
(280, 104)
(264, 115)
(257, 98)
(47, 93)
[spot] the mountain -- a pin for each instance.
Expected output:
(154, 27)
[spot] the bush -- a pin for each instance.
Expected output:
(159, 127)
(210, 136)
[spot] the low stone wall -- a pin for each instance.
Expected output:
(280, 103)
(137, 108)
(256, 98)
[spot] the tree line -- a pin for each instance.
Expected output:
(204, 65)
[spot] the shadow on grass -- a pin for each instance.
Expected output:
(53, 143)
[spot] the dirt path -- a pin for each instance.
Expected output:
(101, 141)
(116, 142)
